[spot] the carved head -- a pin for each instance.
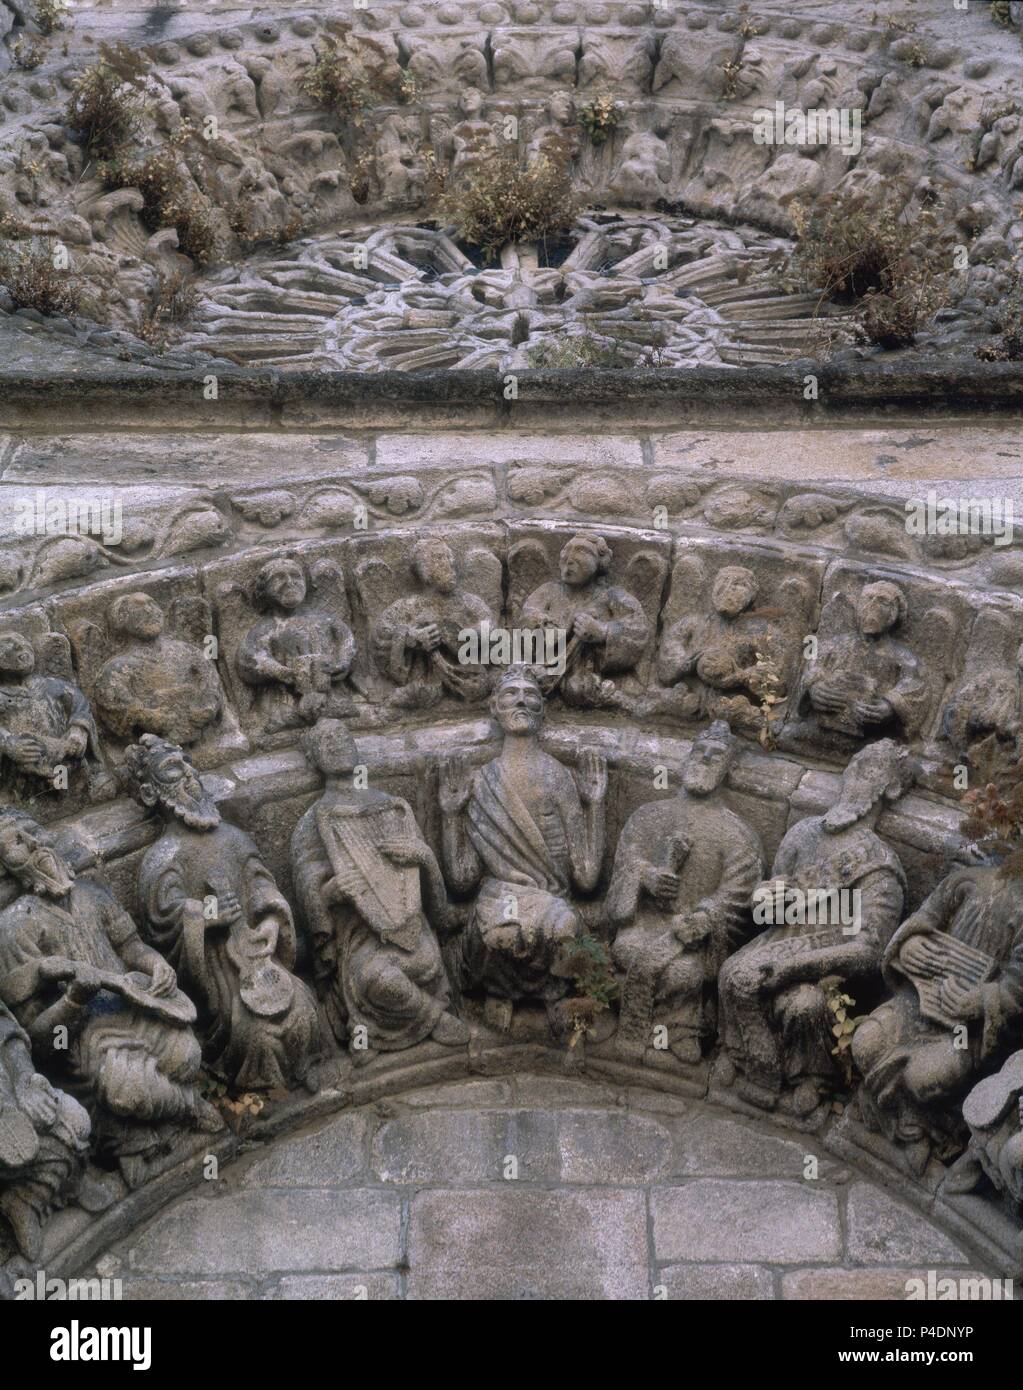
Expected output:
(561, 108)
(517, 702)
(17, 655)
(138, 616)
(330, 748)
(159, 774)
(881, 771)
(434, 564)
(709, 759)
(583, 557)
(880, 607)
(27, 853)
(735, 588)
(470, 102)
(279, 584)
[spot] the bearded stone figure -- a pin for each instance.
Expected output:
(776, 1023)
(678, 903)
(44, 1141)
(955, 969)
(369, 887)
(605, 627)
(71, 959)
(211, 907)
(525, 831)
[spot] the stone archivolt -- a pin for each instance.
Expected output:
(393, 852)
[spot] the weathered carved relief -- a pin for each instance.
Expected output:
(429, 609)
(600, 593)
(286, 641)
(530, 60)
(678, 903)
(994, 1156)
(953, 969)
(887, 646)
(145, 654)
(372, 898)
(778, 1030)
(49, 744)
(732, 634)
(524, 834)
(211, 907)
(72, 963)
(986, 707)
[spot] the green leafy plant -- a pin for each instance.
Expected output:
(869, 256)
(600, 118)
(839, 1005)
(588, 965)
(31, 277)
(108, 101)
(500, 200)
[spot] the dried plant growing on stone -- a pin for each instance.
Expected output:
(31, 277)
(108, 101)
(994, 824)
(348, 78)
(28, 53)
(173, 299)
(500, 201)
(170, 197)
(1009, 346)
(600, 118)
(588, 964)
(49, 15)
(871, 257)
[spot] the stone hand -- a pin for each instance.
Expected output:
(691, 930)
(163, 980)
(872, 711)
(588, 628)
(427, 637)
(76, 743)
(341, 888)
(455, 786)
(86, 984)
(592, 775)
(661, 884)
(26, 751)
(827, 698)
(403, 852)
(229, 909)
(921, 956)
(38, 1100)
(961, 1001)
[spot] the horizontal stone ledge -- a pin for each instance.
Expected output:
(258, 397)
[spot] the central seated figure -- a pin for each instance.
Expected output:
(524, 831)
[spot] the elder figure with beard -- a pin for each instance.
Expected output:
(71, 958)
(605, 626)
(260, 1024)
(776, 1024)
(678, 900)
(416, 639)
(526, 831)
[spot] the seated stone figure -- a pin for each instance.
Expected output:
(956, 971)
(44, 1141)
(731, 653)
(416, 639)
(994, 1112)
(526, 831)
(368, 887)
(868, 682)
(776, 1023)
(296, 659)
(679, 902)
(71, 959)
(161, 686)
(605, 627)
(45, 724)
(210, 906)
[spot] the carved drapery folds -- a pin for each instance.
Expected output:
(402, 787)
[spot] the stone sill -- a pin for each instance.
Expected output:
(633, 398)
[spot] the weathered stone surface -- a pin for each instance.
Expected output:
(778, 1222)
(832, 1285)
(714, 1283)
(336, 1288)
(479, 1245)
(882, 1231)
(273, 1230)
(335, 1153)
